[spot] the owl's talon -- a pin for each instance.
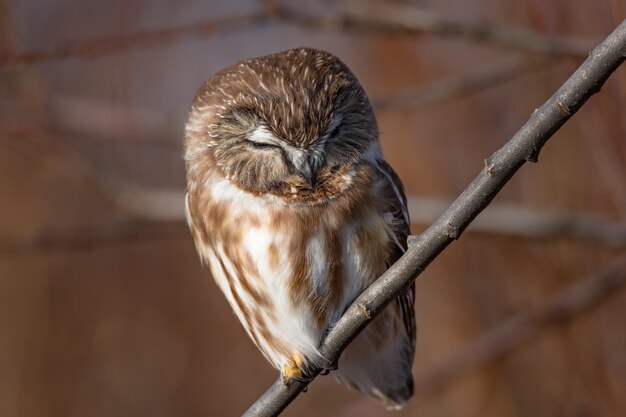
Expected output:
(288, 378)
(303, 378)
(294, 369)
(325, 364)
(297, 368)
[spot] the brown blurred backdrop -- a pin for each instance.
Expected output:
(104, 307)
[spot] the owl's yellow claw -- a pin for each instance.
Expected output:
(293, 369)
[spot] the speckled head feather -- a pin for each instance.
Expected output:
(303, 99)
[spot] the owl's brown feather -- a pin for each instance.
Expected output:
(295, 211)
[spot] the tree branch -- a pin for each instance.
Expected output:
(160, 215)
(103, 122)
(526, 223)
(413, 20)
(499, 168)
(124, 42)
(360, 16)
(472, 81)
(96, 237)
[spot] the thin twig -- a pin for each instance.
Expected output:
(491, 75)
(103, 122)
(96, 237)
(413, 20)
(499, 168)
(526, 223)
(370, 17)
(120, 43)
(564, 306)
(160, 215)
(47, 156)
(501, 219)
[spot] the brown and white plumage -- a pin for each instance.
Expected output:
(295, 211)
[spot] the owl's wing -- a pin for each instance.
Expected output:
(401, 229)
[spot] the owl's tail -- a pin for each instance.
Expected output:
(378, 363)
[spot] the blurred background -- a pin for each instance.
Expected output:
(104, 307)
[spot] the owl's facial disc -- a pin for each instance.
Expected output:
(306, 162)
(294, 125)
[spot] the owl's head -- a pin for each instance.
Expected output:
(296, 124)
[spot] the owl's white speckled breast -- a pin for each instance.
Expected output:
(310, 264)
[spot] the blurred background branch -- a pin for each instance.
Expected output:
(120, 43)
(122, 233)
(160, 215)
(386, 16)
(473, 81)
(578, 298)
(359, 15)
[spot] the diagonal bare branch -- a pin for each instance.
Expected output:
(499, 168)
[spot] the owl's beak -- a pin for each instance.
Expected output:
(309, 172)
(307, 167)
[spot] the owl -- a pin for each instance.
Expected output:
(294, 210)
